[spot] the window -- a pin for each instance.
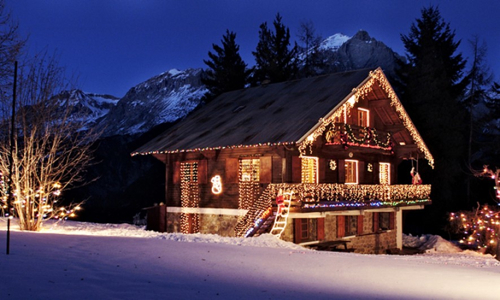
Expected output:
(189, 172)
(385, 173)
(309, 169)
(351, 225)
(363, 117)
(304, 229)
(351, 171)
(250, 169)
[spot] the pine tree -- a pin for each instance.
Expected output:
(477, 91)
(432, 87)
(275, 62)
(227, 70)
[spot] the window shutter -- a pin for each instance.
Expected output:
(231, 170)
(202, 171)
(266, 168)
(297, 228)
(361, 172)
(322, 165)
(340, 226)
(341, 168)
(392, 216)
(176, 177)
(375, 222)
(321, 229)
(360, 225)
(296, 169)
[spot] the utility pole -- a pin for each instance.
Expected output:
(11, 158)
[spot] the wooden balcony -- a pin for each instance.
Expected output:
(331, 196)
(352, 135)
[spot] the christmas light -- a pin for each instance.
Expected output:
(216, 185)
(481, 236)
(376, 77)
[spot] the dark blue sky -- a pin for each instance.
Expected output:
(113, 45)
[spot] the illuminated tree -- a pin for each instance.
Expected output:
(51, 145)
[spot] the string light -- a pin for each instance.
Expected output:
(269, 144)
(376, 77)
(479, 228)
(334, 195)
(190, 197)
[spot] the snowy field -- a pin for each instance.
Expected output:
(78, 260)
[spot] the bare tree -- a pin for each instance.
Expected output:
(52, 146)
(310, 48)
(11, 46)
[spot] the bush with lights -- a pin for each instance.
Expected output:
(478, 228)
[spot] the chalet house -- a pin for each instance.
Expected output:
(313, 161)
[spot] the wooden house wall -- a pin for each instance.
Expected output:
(224, 163)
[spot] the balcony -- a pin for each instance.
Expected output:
(351, 135)
(332, 196)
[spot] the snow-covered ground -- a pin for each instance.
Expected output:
(108, 261)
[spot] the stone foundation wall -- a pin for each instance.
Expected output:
(374, 243)
(222, 225)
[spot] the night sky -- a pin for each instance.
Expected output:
(112, 45)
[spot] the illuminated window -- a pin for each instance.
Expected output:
(189, 172)
(351, 171)
(351, 225)
(309, 169)
(363, 117)
(385, 173)
(250, 169)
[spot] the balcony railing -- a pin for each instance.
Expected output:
(352, 135)
(332, 196)
(309, 195)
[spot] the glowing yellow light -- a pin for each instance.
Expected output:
(352, 100)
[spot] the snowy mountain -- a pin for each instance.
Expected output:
(173, 94)
(343, 53)
(160, 99)
(333, 42)
(88, 106)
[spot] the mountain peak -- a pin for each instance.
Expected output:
(333, 42)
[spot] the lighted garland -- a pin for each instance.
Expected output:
(370, 135)
(360, 93)
(336, 192)
(246, 224)
(332, 195)
(269, 144)
(479, 228)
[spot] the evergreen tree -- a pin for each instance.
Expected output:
(477, 91)
(491, 132)
(227, 71)
(275, 62)
(432, 88)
